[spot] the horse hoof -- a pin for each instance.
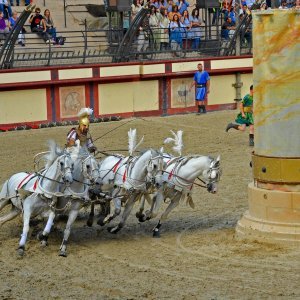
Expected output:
(44, 243)
(142, 219)
(62, 253)
(21, 252)
(138, 215)
(39, 236)
(89, 223)
(101, 221)
(156, 233)
(113, 230)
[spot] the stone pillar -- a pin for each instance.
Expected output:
(274, 194)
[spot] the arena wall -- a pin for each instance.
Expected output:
(134, 89)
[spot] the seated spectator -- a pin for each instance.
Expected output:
(4, 27)
(196, 29)
(5, 8)
(182, 6)
(12, 22)
(174, 12)
(50, 29)
(297, 6)
(228, 29)
(38, 25)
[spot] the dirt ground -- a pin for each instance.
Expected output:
(197, 256)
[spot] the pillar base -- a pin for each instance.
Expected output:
(273, 216)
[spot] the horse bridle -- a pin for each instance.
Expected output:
(151, 176)
(62, 167)
(211, 181)
(89, 173)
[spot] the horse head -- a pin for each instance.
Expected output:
(60, 162)
(212, 175)
(155, 168)
(66, 166)
(90, 169)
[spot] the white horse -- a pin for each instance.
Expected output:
(125, 179)
(123, 176)
(178, 182)
(56, 176)
(51, 184)
(85, 176)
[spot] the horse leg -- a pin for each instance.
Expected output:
(155, 205)
(164, 216)
(90, 219)
(27, 210)
(43, 236)
(127, 210)
(117, 210)
(139, 213)
(11, 215)
(72, 217)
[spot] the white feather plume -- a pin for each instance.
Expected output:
(132, 145)
(131, 140)
(85, 111)
(177, 140)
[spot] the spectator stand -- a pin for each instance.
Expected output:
(101, 46)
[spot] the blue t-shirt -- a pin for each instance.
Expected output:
(201, 77)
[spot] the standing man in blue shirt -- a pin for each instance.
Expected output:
(202, 84)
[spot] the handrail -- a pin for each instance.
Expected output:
(98, 46)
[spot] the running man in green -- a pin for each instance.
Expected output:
(245, 117)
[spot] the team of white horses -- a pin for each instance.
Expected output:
(73, 178)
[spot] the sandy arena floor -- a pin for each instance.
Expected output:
(197, 256)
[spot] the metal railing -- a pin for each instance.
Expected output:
(102, 46)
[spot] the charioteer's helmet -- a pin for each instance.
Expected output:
(84, 118)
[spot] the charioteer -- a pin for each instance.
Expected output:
(82, 133)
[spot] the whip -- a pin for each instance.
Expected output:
(114, 129)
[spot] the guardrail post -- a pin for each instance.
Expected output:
(65, 14)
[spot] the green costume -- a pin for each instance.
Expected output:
(248, 109)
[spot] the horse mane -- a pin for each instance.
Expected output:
(191, 156)
(54, 152)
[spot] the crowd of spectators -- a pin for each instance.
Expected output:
(172, 25)
(43, 25)
(231, 10)
(177, 24)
